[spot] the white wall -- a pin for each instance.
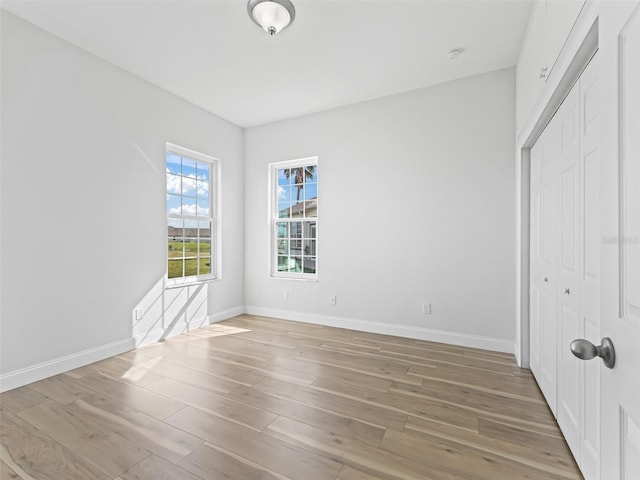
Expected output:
(83, 209)
(416, 204)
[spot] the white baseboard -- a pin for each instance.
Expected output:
(516, 353)
(154, 336)
(226, 314)
(461, 339)
(31, 374)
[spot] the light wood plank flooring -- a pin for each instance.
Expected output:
(256, 398)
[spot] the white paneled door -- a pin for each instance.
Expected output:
(568, 285)
(544, 219)
(591, 188)
(588, 281)
(620, 267)
(549, 275)
(565, 265)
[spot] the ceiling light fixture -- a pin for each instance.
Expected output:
(272, 15)
(454, 53)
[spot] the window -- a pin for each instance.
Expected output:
(294, 218)
(191, 227)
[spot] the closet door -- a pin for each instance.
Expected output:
(535, 247)
(589, 389)
(543, 265)
(569, 269)
(565, 261)
(550, 219)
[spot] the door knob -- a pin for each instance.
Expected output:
(546, 279)
(586, 350)
(567, 291)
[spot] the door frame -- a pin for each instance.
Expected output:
(579, 48)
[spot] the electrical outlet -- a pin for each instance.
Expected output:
(426, 308)
(139, 313)
(332, 299)
(285, 294)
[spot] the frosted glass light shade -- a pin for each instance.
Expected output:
(271, 15)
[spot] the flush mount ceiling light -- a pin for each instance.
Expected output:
(454, 53)
(271, 15)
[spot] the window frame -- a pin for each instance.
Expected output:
(274, 219)
(214, 218)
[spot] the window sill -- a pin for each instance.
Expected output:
(170, 285)
(295, 279)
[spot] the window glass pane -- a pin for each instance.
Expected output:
(190, 267)
(283, 247)
(310, 191)
(283, 229)
(306, 230)
(205, 228)
(283, 263)
(188, 167)
(297, 193)
(309, 265)
(309, 247)
(297, 210)
(202, 207)
(284, 194)
(189, 186)
(295, 264)
(205, 266)
(202, 171)
(175, 233)
(296, 247)
(175, 268)
(312, 229)
(283, 210)
(174, 183)
(284, 175)
(312, 174)
(173, 204)
(311, 208)
(174, 227)
(190, 247)
(202, 189)
(190, 238)
(188, 206)
(174, 247)
(173, 163)
(297, 175)
(204, 247)
(296, 229)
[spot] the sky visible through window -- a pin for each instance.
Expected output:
(187, 186)
(293, 188)
(189, 222)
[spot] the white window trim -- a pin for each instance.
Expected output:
(216, 218)
(273, 218)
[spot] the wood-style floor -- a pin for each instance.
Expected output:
(256, 398)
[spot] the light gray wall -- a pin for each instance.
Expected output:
(83, 208)
(416, 205)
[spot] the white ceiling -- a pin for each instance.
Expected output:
(336, 52)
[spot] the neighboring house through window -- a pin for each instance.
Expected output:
(294, 218)
(191, 225)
